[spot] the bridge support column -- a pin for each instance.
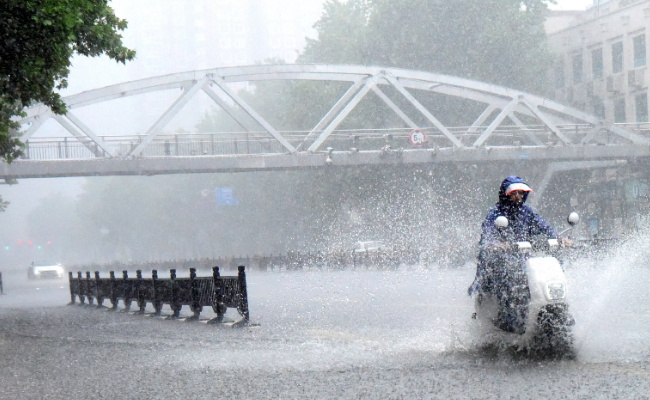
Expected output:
(562, 166)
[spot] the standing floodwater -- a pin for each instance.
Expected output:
(328, 334)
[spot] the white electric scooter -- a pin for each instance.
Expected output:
(547, 322)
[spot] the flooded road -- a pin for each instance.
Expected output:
(327, 334)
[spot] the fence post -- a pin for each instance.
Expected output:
(82, 292)
(114, 299)
(142, 303)
(126, 291)
(218, 307)
(1, 289)
(243, 295)
(100, 299)
(157, 304)
(196, 301)
(70, 279)
(89, 294)
(174, 302)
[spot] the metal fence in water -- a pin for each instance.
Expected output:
(218, 292)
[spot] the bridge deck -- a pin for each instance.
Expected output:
(157, 165)
(512, 125)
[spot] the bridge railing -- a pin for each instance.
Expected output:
(218, 292)
(201, 144)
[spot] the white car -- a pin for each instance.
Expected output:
(45, 269)
(370, 246)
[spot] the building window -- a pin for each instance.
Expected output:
(619, 110)
(617, 57)
(577, 68)
(641, 101)
(597, 63)
(599, 108)
(559, 75)
(639, 50)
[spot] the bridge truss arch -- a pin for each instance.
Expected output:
(511, 124)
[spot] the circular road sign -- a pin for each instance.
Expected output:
(417, 137)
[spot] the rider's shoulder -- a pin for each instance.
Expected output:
(494, 213)
(528, 213)
(528, 209)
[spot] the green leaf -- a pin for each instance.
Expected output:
(37, 41)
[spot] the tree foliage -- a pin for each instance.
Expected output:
(497, 41)
(37, 40)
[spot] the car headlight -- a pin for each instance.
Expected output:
(37, 272)
(555, 291)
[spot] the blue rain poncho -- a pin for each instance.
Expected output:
(523, 225)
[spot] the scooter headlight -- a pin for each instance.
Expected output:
(555, 291)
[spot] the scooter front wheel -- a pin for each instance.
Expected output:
(554, 337)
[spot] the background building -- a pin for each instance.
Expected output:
(602, 69)
(602, 64)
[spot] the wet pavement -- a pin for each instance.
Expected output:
(364, 334)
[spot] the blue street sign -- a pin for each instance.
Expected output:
(225, 197)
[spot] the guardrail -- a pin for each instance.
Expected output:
(232, 143)
(218, 292)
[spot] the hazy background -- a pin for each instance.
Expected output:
(172, 36)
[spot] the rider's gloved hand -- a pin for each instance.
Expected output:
(566, 242)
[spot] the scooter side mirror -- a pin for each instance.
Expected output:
(573, 218)
(501, 222)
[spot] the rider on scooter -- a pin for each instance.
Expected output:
(493, 275)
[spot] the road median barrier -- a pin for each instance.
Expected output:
(218, 292)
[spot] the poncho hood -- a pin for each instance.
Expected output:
(503, 198)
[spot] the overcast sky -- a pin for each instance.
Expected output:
(190, 35)
(573, 4)
(149, 18)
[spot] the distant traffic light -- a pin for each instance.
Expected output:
(20, 243)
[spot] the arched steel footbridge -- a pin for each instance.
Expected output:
(508, 125)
